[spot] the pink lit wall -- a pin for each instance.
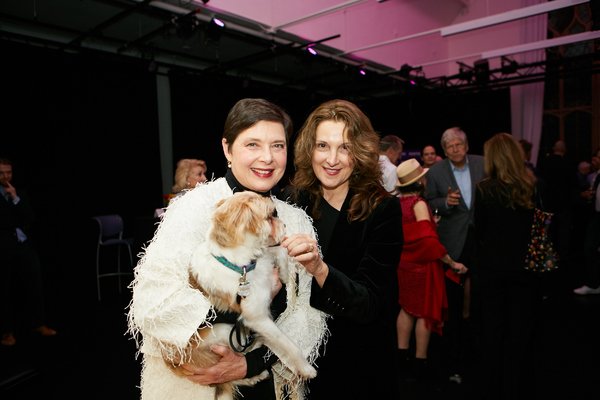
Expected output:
(371, 22)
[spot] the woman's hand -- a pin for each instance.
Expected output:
(304, 249)
(459, 268)
(230, 367)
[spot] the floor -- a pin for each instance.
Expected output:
(93, 358)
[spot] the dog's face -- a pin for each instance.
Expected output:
(246, 213)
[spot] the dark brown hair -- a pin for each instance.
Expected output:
(365, 180)
(247, 112)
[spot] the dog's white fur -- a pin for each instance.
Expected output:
(242, 229)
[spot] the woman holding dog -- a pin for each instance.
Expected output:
(359, 226)
(167, 311)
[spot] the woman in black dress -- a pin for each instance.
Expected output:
(359, 228)
(510, 295)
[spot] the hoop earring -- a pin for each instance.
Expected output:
(228, 164)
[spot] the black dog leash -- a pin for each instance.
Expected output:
(243, 339)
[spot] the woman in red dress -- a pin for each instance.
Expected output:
(422, 293)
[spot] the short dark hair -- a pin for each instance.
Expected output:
(247, 112)
(5, 161)
(388, 141)
(426, 146)
(527, 146)
(416, 187)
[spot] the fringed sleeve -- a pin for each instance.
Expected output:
(301, 322)
(165, 309)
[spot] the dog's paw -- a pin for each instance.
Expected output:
(307, 371)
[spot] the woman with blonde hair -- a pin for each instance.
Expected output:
(188, 174)
(510, 294)
(359, 226)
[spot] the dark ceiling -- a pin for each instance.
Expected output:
(172, 34)
(169, 38)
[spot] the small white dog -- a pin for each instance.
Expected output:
(234, 270)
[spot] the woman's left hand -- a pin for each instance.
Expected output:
(304, 249)
(230, 367)
(459, 268)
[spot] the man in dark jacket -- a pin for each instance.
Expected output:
(19, 264)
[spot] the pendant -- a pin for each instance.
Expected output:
(244, 287)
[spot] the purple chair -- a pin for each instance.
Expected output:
(111, 234)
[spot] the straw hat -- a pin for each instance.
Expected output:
(409, 172)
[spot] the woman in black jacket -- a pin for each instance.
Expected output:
(510, 295)
(359, 228)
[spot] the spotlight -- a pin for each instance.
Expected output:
(186, 25)
(405, 70)
(509, 66)
(218, 22)
(482, 72)
(465, 72)
(362, 72)
(213, 31)
(312, 51)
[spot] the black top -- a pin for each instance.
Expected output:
(361, 294)
(13, 216)
(236, 186)
(503, 232)
(325, 225)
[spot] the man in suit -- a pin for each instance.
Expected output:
(19, 264)
(451, 185)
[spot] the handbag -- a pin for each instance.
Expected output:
(541, 255)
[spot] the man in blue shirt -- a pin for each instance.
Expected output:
(451, 185)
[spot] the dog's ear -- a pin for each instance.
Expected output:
(234, 217)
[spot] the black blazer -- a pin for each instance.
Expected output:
(361, 294)
(454, 224)
(14, 216)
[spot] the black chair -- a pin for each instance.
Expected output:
(111, 234)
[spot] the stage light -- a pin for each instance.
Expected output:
(482, 72)
(218, 22)
(312, 51)
(509, 66)
(362, 72)
(405, 70)
(465, 72)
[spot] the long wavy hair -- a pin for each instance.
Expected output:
(503, 160)
(365, 181)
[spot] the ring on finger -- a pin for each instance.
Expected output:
(311, 248)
